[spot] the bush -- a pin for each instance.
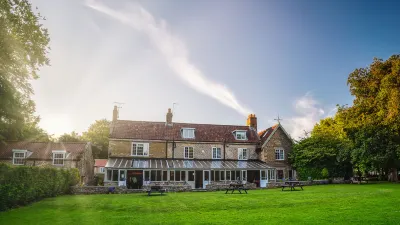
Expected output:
(22, 184)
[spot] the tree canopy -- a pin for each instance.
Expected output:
(366, 134)
(98, 134)
(24, 44)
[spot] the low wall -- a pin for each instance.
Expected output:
(170, 186)
(216, 186)
(86, 190)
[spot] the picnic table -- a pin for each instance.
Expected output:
(156, 188)
(292, 184)
(236, 186)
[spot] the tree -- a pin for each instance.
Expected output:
(72, 137)
(98, 134)
(23, 48)
(373, 121)
(318, 153)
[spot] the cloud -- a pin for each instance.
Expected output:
(173, 50)
(309, 112)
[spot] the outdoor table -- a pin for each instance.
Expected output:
(158, 188)
(292, 184)
(239, 187)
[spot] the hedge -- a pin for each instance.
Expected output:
(21, 185)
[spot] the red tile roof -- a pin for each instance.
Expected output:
(42, 150)
(146, 130)
(100, 162)
(264, 134)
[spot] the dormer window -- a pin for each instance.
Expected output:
(187, 132)
(19, 157)
(59, 157)
(240, 135)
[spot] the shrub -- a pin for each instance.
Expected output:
(22, 184)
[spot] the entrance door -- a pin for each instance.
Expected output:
(135, 179)
(190, 178)
(199, 179)
(206, 178)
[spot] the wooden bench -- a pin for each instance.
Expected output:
(156, 189)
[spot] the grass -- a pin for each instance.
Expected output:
(328, 204)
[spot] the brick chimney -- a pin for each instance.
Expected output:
(169, 118)
(252, 121)
(115, 114)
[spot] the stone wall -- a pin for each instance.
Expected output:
(80, 190)
(123, 148)
(204, 150)
(170, 186)
(157, 149)
(278, 140)
(216, 186)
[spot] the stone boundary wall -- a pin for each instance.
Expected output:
(84, 190)
(216, 186)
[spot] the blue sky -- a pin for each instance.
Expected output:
(219, 60)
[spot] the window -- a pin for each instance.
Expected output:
(228, 175)
(177, 175)
(279, 174)
(242, 153)
(19, 157)
(164, 175)
(216, 153)
(271, 174)
(171, 175)
(240, 135)
(279, 154)
(112, 175)
(58, 158)
(188, 153)
(122, 175)
(146, 175)
(187, 132)
(183, 175)
(263, 175)
(222, 177)
(190, 175)
(155, 175)
(140, 149)
(101, 169)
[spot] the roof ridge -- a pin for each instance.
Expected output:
(184, 123)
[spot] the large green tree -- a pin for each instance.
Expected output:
(98, 134)
(23, 48)
(373, 122)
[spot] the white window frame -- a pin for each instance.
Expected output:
(187, 148)
(281, 154)
(56, 152)
(216, 153)
(23, 158)
(102, 170)
(242, 133)
(145, 147)
(188, 133)
(241, 155)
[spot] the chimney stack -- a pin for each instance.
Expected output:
(115, 114)
(252, 121)
(169, 117)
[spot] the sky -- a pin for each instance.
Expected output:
(217, 60)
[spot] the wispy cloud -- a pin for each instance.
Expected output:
(173, 50)
(309, 112)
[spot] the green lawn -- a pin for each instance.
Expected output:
(338, 204)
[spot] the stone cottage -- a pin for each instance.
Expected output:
(58, 155)
(141, 152)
